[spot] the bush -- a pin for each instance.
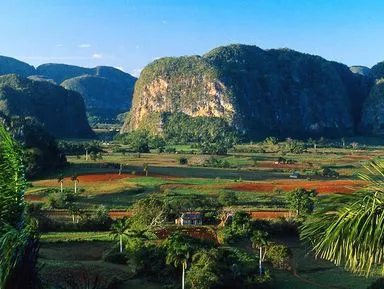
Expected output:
(260, 282)
(216, 163)
(183, 161)
(329, 173)
(170, 150)
(279, 256)
(228, 199)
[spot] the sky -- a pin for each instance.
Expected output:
(129, 34)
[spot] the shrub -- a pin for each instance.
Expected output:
(260, 282)
(279, 256)
(170, 150)
(330, 173)
(228, 199)
(183, 161)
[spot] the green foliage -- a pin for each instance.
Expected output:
(228, 199)
(12, 182)
(353, 236)
(157, 142)
(18, 241)
(240, 228)
(294, 146)
(330, 173)
(79, 147)
(259, 239)
(215, 162)
(61, 200)
(203, 273)
(148, 214)
(302, 201)
(138, 141)
(271, 141)
(213, 135)
(280, 256)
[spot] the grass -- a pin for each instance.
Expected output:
(75, 237)
(314, 273)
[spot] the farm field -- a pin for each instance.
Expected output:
(259, 184)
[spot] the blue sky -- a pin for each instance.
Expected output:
(131, 33)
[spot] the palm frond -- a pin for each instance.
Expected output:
(354, 236)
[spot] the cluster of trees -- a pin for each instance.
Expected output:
(80, 148)
(211, 135)
(195, 262)
(142, 141)
(40, 151)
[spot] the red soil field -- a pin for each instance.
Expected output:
(101, 177)
(119, 214)
(193, 231)
(270, 214)
(104, 177)
(33, 198)
(322, 187)
(281, 166)
(359, 157)
(113, 214)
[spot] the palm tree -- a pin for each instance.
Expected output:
(179, 254)
(146, 169)
(18, 242)
(118, 231)
(259, 240)
(73, 210)
(75, 179)
(60, 179)
(353, 236)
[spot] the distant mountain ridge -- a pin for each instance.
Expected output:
(107, 91)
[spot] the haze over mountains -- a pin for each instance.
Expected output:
(277, 92)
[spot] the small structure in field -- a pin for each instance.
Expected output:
(294, 176)
(190, 218)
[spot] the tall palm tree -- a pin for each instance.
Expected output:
(118, 231)
(146, 169)
(75, 179)
(60, 179)
(353, 236)
(178, 255)
(259, 240)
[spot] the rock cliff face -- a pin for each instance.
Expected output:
(373, 110)
(372, 120)
(62, 112)
(261, 92)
